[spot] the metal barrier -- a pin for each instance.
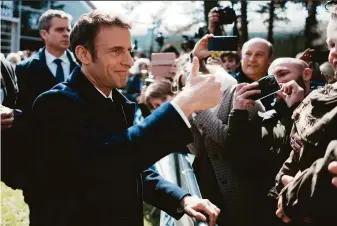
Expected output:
(182, 174)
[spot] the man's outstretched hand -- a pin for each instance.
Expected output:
(201, 92)
(197, 208)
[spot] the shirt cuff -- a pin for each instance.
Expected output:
(182, 115)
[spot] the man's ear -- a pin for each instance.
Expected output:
(307, 73)
(83, 55)
(43, 34)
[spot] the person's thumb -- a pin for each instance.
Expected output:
(286, 179)
(195, 66)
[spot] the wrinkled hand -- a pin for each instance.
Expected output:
(201, 92)
(201, 48)
(7, 117)
(333, 169)
(196, 207)
(213, 19)
(291, 93)
(242, 93)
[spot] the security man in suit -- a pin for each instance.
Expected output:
(92, 168)
(51, 65)
(37, 74)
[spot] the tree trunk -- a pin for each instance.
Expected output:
(310, 30)
(271, 21)
(208, 5)
(244, 22)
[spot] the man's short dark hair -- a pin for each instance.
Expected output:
(46, 17)
(87, 27)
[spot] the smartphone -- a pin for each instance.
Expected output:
(161, 64)
(223, 43)
(268, 86)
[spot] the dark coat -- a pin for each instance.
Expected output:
(89, 165)
(34, 78)
(12, 152)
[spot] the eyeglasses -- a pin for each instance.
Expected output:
(329, 6)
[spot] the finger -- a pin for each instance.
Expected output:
(286, 179)
(286, 219)
(279, 213)
(210, 212)
(249, 93)
(195, 66)
(333, 167)
(281, 94)
(249, 87)
(6, 114)
(210, 36)
(192, 213)
(6, 126)
(334, 181)
(8, 121)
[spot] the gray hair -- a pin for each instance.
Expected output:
(46, 17)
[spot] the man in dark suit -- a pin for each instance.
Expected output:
(91, 166)
(12, 173)
(51, 65)
(37, 74)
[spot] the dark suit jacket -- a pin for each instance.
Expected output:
(89, 165)
(12, 154)
(34, 78)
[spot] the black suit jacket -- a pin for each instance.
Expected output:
(12, 166)
(34, 78)
(90, 167)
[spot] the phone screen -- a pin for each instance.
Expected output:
(223, 43)
(268, 86)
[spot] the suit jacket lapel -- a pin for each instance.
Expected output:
(42, 69)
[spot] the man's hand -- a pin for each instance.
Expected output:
(333, 169)
(200, 93)
(196, 207)
(7, 117)
(242, 93)
(201, 48)
(213, 19)
(291, 93)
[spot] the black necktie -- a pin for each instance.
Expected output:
(59, 71)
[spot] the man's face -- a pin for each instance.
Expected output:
(285, 72)
(229, 64)
(113, 57)
(255, 60)
(332, 43)
(57, 37)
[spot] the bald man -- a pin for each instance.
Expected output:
(259, 145)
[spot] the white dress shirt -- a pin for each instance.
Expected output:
(53, 67)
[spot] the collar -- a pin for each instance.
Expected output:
(50, 58)
(110, 94)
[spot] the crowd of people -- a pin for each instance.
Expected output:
(84, 119)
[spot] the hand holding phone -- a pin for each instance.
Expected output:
(242, 94)
(268, 86)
